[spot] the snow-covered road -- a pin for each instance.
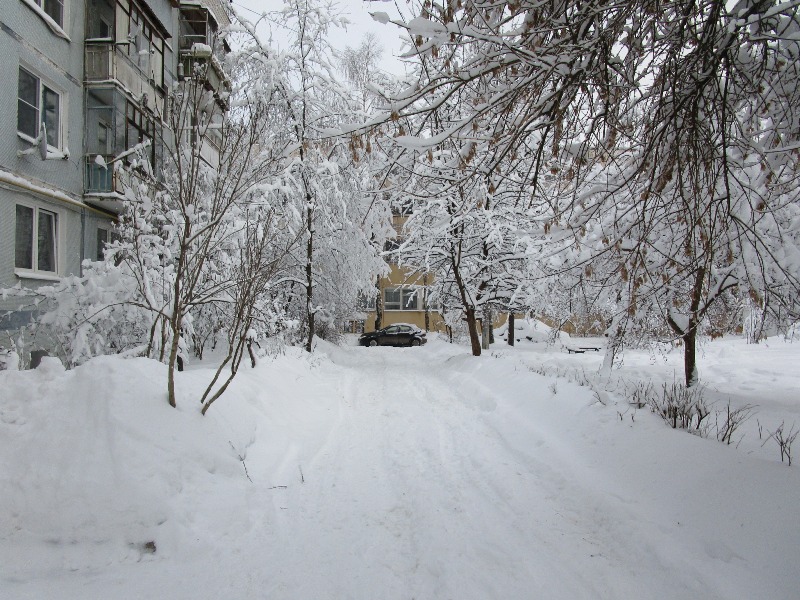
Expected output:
(436, 481)
(381, 473)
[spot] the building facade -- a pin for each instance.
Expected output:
(89, 81)
(403, 294)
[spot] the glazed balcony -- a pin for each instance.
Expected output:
(109, 63)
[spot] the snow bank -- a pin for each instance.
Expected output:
(98, 470)
(97, 462)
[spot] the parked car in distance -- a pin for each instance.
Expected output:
(399, 334)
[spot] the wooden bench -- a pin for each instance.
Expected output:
(584, 348)
(575, 350)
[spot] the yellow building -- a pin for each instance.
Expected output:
(404, 299)
(404, 294)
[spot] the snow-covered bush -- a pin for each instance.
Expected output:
(91, 315)
(681, 407)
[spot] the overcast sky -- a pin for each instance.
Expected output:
(356, 11)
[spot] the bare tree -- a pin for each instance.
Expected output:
(651, 145)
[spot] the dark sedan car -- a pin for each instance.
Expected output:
(399, 334)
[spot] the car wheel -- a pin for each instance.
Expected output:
(415, 342)
(373, 343)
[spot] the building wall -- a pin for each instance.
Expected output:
(400, 277)
(55, 56)
(26, 40)
(55, 184)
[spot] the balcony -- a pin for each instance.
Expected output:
(200, 50)
(210, 150)
(209, 72)
(113, 125)
(106, 62)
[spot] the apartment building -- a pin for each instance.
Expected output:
(89, 80)
(404, 295)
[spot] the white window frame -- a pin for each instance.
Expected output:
(62, 3)
(405, 291)
(56, 27)
(390, 305)
(431, 305)
(43, 84)
(34, 272)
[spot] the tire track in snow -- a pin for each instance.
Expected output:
(417, 493)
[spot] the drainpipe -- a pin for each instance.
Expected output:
(83, 240)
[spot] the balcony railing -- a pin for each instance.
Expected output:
(100, 179)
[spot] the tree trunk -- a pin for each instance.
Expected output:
(251, 353)
(486, 326)
(469, 309)
(690, 355)
(472, 327)
(689, 335)
(175, 324)
(425, 299)
(173, 357)
(378, 304)
(310, 275)
(511, 331)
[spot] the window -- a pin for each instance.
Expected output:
(54, 9)
(50, 8)
(102, 240)
(431, 301)
(366, 302)
(196, 27)
(36, 104)
(402, 208)
(100, 20)
(36, 239)
(105, 29)
(391, 299)
(390, 248)
(401, 299)
(140, 127)
(104, 137)
(410, 299)
(104, 131)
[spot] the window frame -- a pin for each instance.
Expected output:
(135, 25)
(62, 5)
(101, 243)
(33, 271)
(40, 7)
(429, 304)
(414, 294)
(141, 126)
(43, 87)
(402, 304)
(391, 304)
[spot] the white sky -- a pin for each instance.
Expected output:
(357, 12)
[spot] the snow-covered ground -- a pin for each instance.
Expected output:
(394, 473)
